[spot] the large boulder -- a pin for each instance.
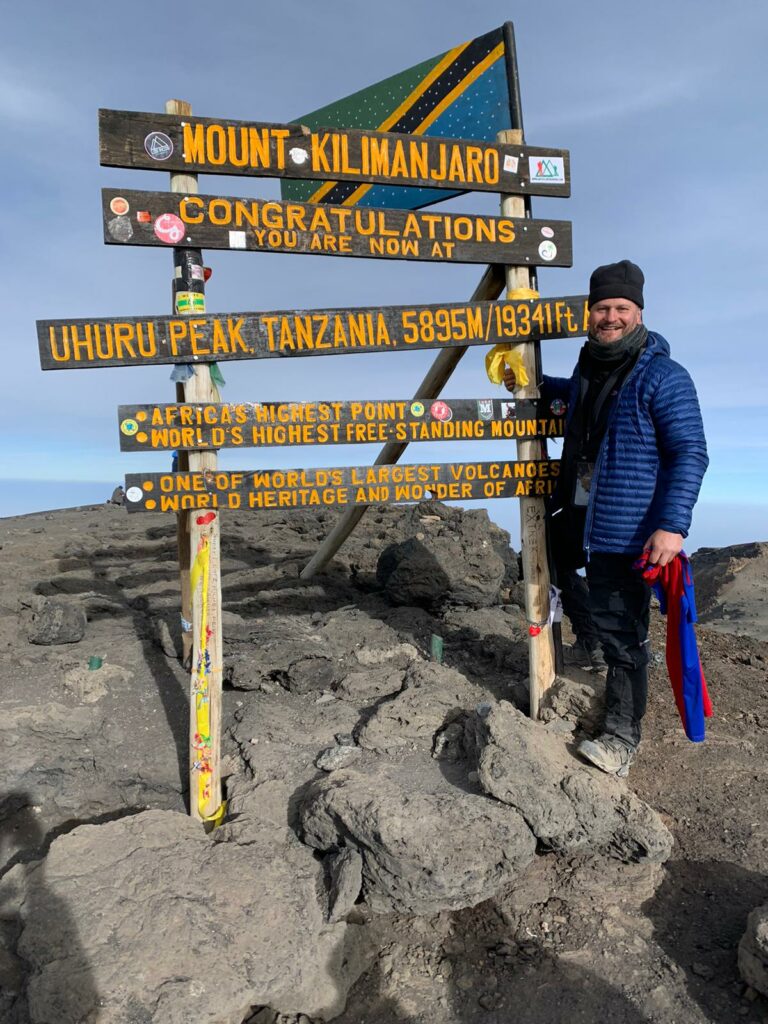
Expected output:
(451, 557)
(56, 621)
(569, 806)
(426, 843)
(216, 927)
(753, 951)
(433, 696)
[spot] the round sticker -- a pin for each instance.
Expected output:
(417, 409)
(441, 411)
(169, 228)
(120, 228)
(547, 251)
(134, 494)
(557, 407)
(158, 146)
(129, 427)
(547, 232)
(119, 206)
(299, 156)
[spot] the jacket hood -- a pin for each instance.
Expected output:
(657, 344)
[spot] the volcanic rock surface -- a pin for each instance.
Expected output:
(400, 840)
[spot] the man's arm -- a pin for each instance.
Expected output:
(683, 455)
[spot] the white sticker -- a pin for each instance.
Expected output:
(134, 494)
(547, 232)
(298, 155)
(547, 251)
(510, 164)
(196, 272)
(236, 239)
(546, 170)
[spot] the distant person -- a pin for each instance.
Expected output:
(634, 456)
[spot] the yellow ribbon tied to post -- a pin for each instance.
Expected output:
(503, 355)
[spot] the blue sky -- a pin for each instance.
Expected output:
(661, 105)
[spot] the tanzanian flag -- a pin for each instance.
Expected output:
(461, 94)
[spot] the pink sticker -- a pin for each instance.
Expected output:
(440, 411)
(207, 518)
(169, 228)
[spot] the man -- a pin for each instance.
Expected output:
(633, 459)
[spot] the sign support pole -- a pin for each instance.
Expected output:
(199, 559)
(533, 542)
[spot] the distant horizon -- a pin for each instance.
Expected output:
(716, 524)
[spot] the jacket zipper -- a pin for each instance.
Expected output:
(599, 459)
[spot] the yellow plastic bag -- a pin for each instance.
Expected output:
(503, 355)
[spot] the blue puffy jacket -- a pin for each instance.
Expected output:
(652, 458)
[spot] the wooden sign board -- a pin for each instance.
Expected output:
(275, 424)
(233, 222)
(143, 341)
(321, 488)
(168, 142)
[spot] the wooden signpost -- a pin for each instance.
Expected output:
(264, 225)
(321, 488)
(143, 341)
(197, 424)
(220, 146)
(270, 424)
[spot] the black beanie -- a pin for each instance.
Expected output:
(623, 280)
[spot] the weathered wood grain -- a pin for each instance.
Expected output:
(351, 485)
(277, 334)
(242, 224)
(259, 149)
(177, 427)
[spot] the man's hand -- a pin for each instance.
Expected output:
(662, 546)
(510, 380)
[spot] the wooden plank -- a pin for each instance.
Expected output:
(179, 427)
(242, 224)
(159, 142)
(351, 485)
(277, 334)
(541, 656)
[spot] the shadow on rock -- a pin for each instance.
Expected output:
(700, 914)
(29, 910)
(418, 985)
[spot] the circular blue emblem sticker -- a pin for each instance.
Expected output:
(158, 146)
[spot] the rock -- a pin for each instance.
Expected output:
(753, 951)
(398, 817)
(450, 560)
(575, 702)
(433, 697)
(154, 889)
(570, 807)
(91, 685)
(368, 687)
(345, 869)
(306, 675)
(333, 758)
(55, 621)
(168, 642)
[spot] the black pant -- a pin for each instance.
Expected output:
(619, 602)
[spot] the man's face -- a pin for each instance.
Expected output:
(611, 319)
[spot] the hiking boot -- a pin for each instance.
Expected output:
(608, 753)
(581, 656)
